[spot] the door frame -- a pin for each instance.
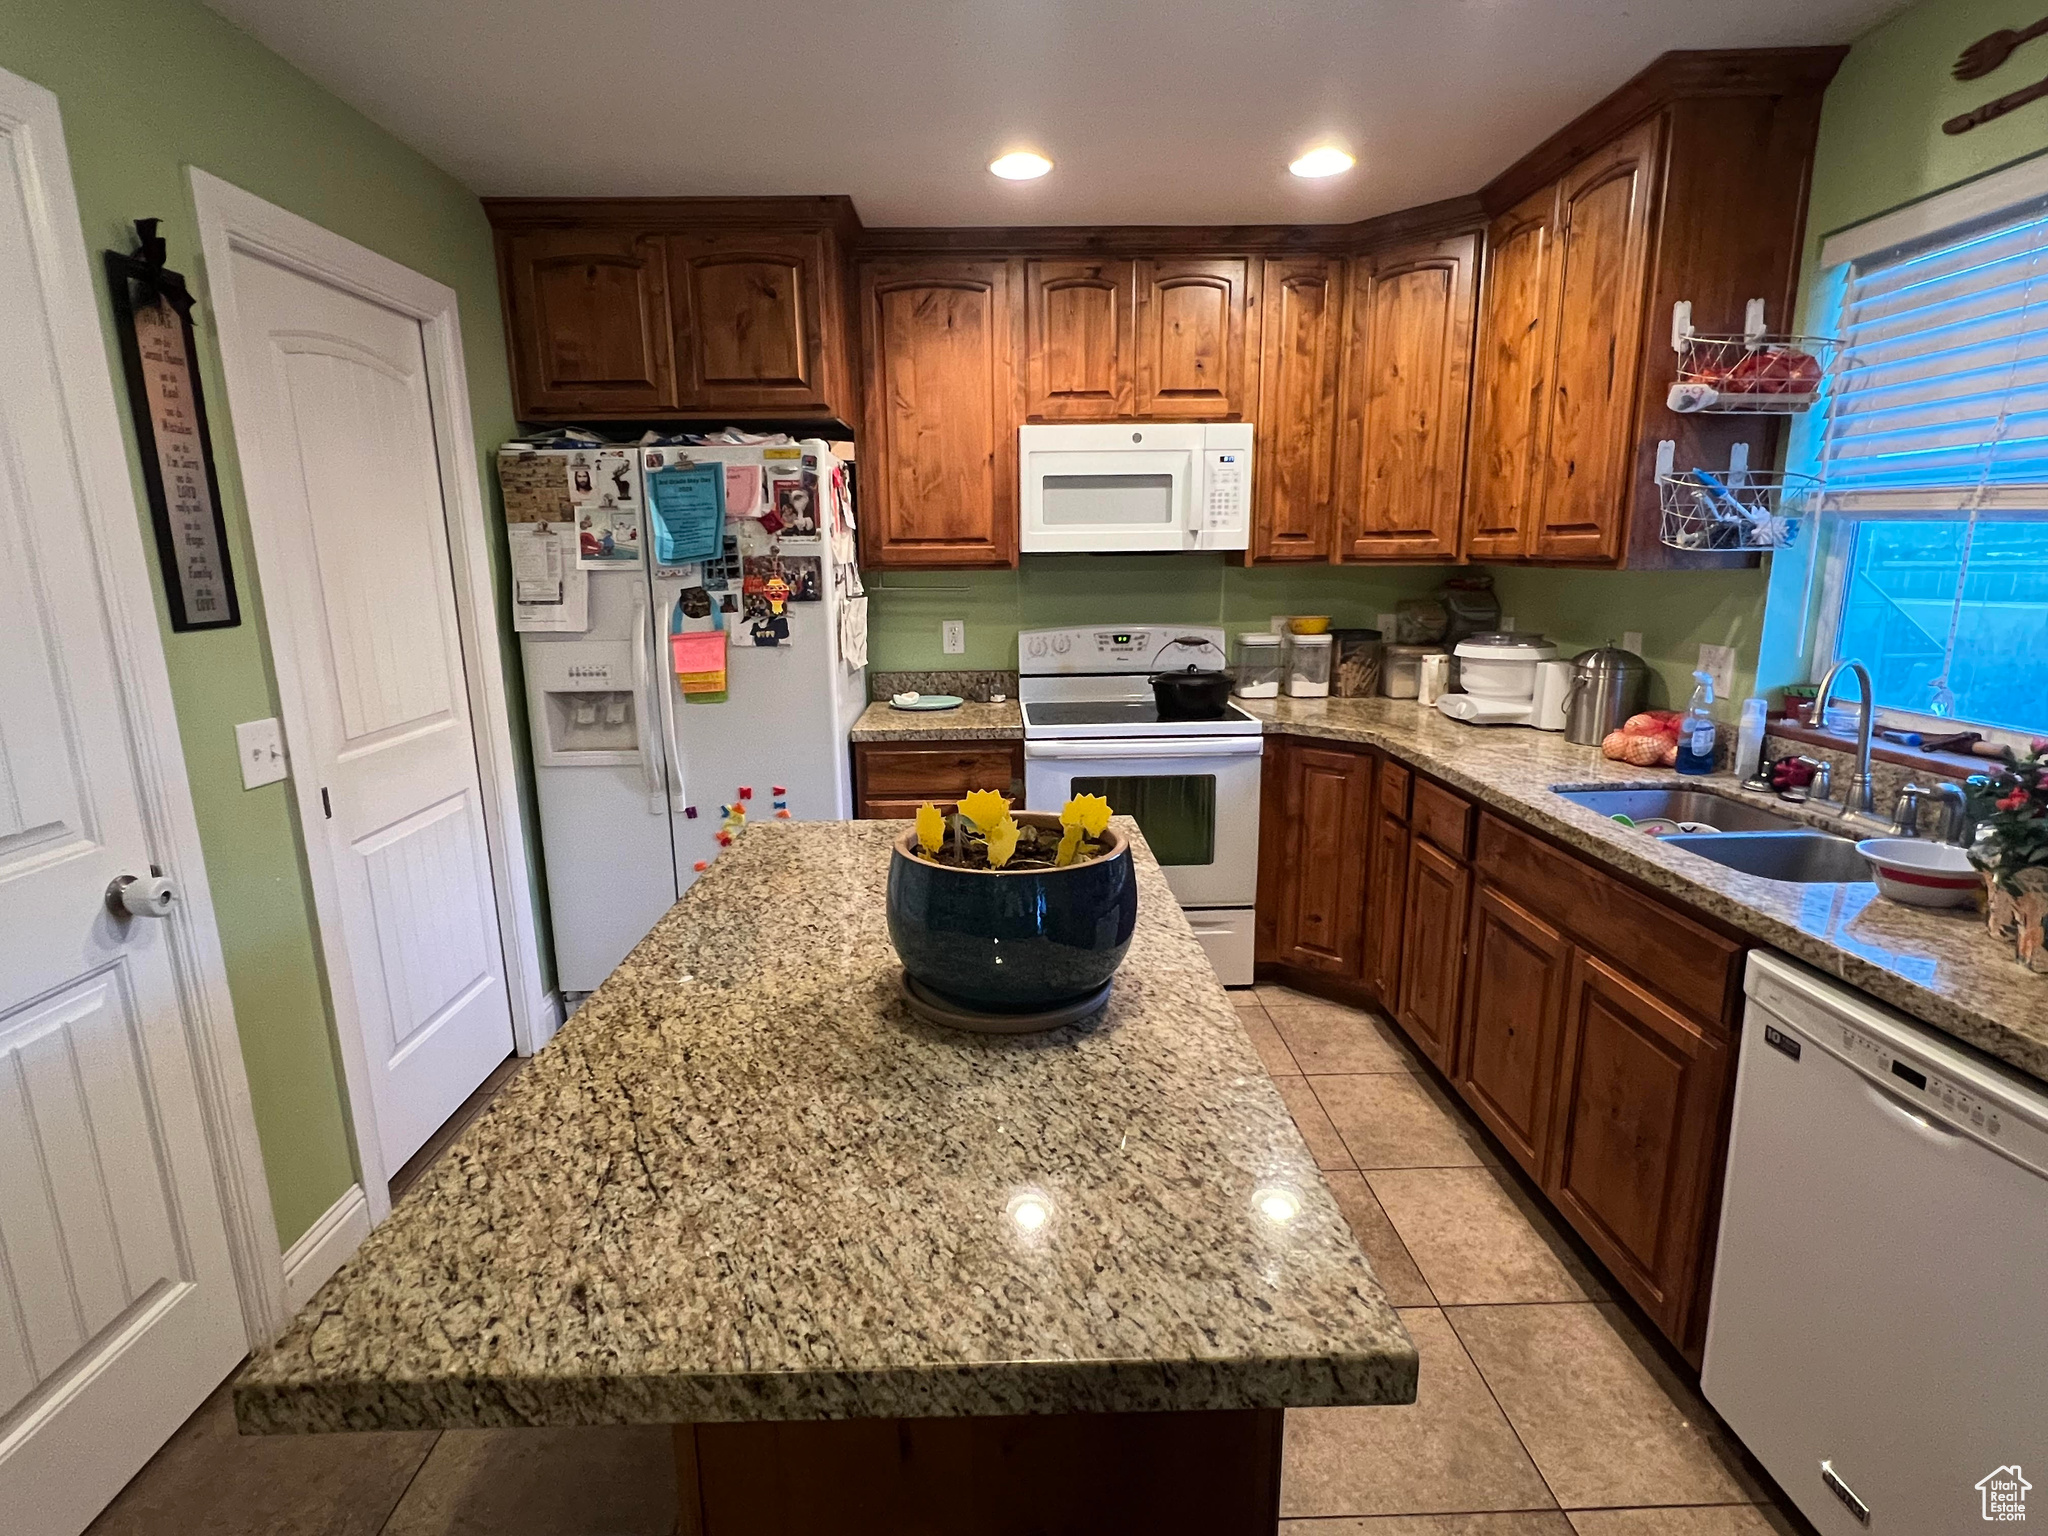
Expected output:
(230, 221)
(31, 120)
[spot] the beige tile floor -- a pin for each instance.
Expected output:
(1543, 1409)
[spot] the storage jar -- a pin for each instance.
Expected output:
(1308, 667)
(1259, 665)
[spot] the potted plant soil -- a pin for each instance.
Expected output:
(1001, 913)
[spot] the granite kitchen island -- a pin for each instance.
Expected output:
(881, 1275)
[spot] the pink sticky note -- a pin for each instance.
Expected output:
(742, 490)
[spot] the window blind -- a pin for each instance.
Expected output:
(1939, 404)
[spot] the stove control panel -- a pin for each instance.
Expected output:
(1125, 648)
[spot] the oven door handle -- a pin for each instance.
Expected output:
(1128, 748)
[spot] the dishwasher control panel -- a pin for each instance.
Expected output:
(1947, 1086)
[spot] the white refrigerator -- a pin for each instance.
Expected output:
(633, 776)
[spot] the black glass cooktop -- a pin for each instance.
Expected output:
(1114, 712)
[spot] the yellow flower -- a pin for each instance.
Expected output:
(984, 807)
(931, 827)
(1002, 842)
(1088, 812)
(1070, 844)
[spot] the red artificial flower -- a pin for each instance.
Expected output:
(2015, 800)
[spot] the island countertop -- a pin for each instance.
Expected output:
(744, 1182)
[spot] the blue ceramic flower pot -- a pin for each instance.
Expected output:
(1013, 941)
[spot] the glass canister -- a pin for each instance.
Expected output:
(1308, 667)
(1259, 665)
(1401, 669)
(1355, 666)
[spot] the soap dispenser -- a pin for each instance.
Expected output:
(1696, 730)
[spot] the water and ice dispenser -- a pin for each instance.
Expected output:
(588, 705)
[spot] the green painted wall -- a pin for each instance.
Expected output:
(907, 607)
(148, 88)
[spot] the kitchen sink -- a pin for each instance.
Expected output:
(1680, 805)
(1802, 858)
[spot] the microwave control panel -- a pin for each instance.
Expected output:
(1228, 487)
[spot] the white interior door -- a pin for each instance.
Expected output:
(118, 1309)
(337, 444)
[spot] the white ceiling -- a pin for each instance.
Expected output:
(1154, 113)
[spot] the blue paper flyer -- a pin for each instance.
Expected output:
(688, 503)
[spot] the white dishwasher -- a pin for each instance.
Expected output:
(1879, 1330)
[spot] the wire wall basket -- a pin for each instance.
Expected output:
(1755, 374)
(1734, 510)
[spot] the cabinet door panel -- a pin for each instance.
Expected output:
(1191, 339)
(1078, 331)
(1276, 849)
(1637, 1122)
(1433, 950)
(1511, 380)
(749, 323)
(1329, 797)
(1604, 210)
(940, 462)
(1408, 392)
(1386, 903)
(1294, 468)
(1507, 1055)
(590, 322)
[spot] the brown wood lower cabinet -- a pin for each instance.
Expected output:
(1433, 949)
(1639, 1110)
(891, 780)
(1590, 1025)
(1507, 1057)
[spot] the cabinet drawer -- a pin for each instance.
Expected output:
(1690, 965)
(1442, 817)
(1394, 779)
(924, 773)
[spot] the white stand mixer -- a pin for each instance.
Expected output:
(1509, 679)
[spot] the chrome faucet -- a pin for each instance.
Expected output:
(1859, 795)
(1956, 824)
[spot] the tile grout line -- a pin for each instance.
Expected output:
(398, 1503)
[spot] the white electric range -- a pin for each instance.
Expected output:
(1091, 728)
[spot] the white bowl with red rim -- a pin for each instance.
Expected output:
(1920, 873)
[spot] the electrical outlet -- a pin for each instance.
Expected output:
(1632, 641)
(1719, 660)
(260, 746)
(1384, 623)
(953, 637)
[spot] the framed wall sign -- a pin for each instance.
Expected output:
(153, 311)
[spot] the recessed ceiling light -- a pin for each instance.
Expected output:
(1326, 161)
(1020, 165)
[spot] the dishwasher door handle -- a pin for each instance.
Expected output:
(1940, 1132)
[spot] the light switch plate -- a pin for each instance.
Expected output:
(953, 637)
(260, 746)
(1720, 661)
(1632, 641)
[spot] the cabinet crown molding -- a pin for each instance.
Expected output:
(1677, 76)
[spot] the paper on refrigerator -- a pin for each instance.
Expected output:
(550, 589)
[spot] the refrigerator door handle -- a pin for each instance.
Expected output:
(665, 681)
(653, 772)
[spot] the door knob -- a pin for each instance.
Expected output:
(148, 895)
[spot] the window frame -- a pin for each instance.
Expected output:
(1815, 589)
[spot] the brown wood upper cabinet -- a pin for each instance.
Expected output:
(1293, 470)
(1191, 326)
(1407, 386)
(588, 320)
(628, 308)
(939, 460)
(1079, 339)
(750, 323)
(1511, 390)
(1686, 185)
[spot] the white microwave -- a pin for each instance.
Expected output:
(1135, 485)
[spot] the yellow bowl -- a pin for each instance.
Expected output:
(1310, 624)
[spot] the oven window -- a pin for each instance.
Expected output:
(1098, 501)
(1177, 812)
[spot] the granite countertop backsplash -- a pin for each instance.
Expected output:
(1943, 967)
(744, 1182)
